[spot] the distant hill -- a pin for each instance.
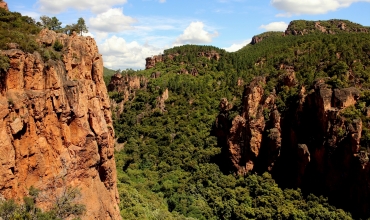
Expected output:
(108, 73)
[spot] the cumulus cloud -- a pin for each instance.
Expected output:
(275, 26)
(195, 34)
(96, 6)
(294, 7)
(118, 53)
(237, 46)
(112, 20)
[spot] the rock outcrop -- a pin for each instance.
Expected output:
(161, 101)
(256, 40)
(251, 129)
(152, 61)
(4, 5)
(56, 127)
(313, 144)
(125, 86)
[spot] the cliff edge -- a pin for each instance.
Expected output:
(56, 126)
(4, 5)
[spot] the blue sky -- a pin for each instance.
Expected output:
(127, 31)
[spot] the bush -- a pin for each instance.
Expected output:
(58, 46)
(4, 63)
(64, 207)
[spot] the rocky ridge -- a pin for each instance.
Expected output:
(333, 26)
(56, 126)
(302, 27)
(152, 61)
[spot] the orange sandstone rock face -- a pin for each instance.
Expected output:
(248, 131)
(4, 5)
(56, 128)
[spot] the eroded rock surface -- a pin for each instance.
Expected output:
(56, 127)
(245, 137)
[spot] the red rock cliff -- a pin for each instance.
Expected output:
(56, 127)
(4, 5)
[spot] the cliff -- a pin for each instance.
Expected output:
(56, 126)
(4, 5)
(315, 144)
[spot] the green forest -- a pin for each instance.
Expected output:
(169, 167)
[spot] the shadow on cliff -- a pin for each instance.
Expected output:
(313, 144)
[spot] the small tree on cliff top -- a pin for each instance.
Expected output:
(81, 26)
(51, 23)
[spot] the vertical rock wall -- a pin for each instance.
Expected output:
(56, 128)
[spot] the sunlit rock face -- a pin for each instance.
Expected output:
(56, 127)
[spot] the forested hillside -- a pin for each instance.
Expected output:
(174, 124)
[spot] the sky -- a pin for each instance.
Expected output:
(128, 31)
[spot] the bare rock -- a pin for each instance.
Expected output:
(4, 5)
(161, 101)
(155, 75)
(152, 61)
(346, 97)
(16, 125)
(56, 128)
(249, 130)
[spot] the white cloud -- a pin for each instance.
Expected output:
(275, 26)
(162, 1)
(88, 34)
(117, 53)
(31, 14)
(96, 6)
(236, 46)
(195, 34)
(112, 20)
(297, 7)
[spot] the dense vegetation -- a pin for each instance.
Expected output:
(15, 28)
(332, 26)
(169, 167)
(108, 73)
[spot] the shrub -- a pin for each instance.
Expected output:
(58, 46)
(4, 63)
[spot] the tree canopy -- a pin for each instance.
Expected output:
(50, 23)
(81, 26)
